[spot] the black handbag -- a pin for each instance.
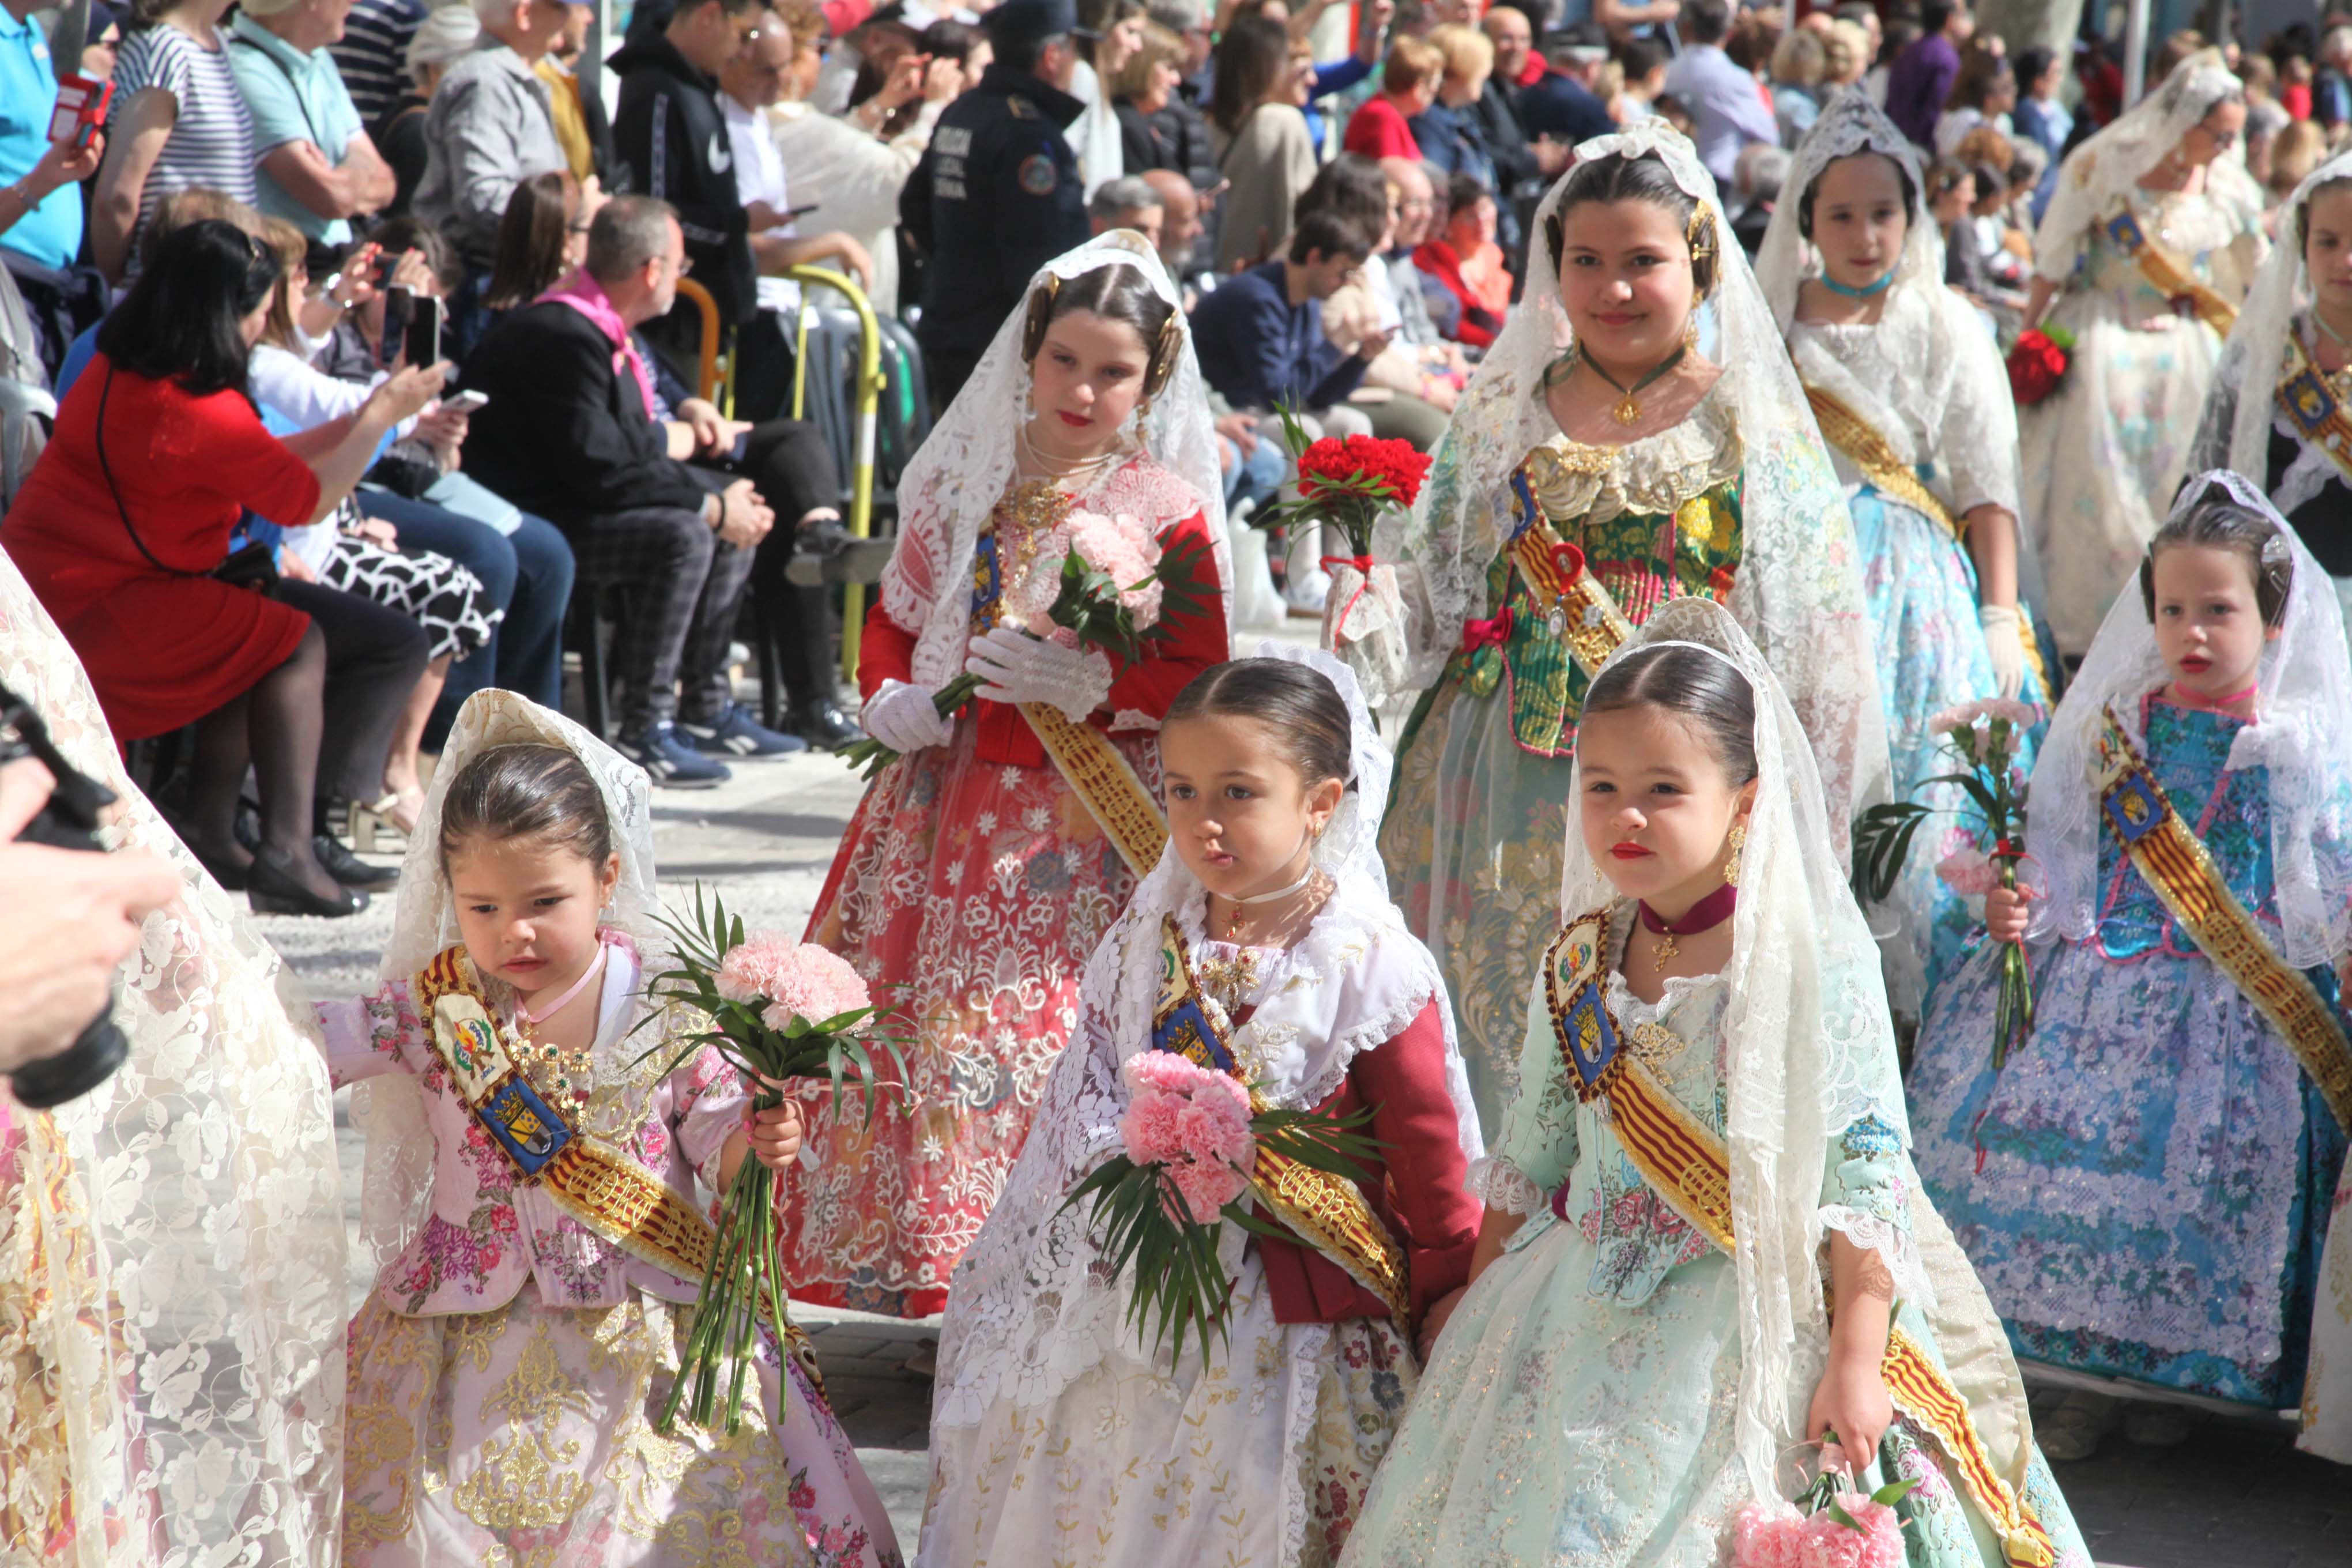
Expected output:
(253, 566)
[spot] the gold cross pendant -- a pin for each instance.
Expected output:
(1665, 950)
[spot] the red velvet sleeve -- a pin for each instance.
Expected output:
(1404, 1081)
(886, 651)
(1194, 642)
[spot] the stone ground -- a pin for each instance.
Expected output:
(2235, 1494)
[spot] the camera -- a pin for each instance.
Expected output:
(69, 820)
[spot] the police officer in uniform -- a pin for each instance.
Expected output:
(997, 195)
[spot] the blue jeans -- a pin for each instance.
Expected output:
(527, 575)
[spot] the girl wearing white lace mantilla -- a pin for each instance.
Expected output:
(1916, 410)
(2281, 409)
(1709, 1130)
(1635, 435)
(2148, 245)
(1057, 1432)
(983, 865)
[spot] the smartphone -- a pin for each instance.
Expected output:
(399, 310)
(80, 111)
(464, 402)
(742, 449)
(423, 338)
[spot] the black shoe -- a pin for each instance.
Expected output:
(245, 824)
(232, 879)
(823, 725)
(275, 893)
(348, 868)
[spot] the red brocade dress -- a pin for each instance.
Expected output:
(969, 889)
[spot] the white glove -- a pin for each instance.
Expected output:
(901, 717)
(1019, 667)
(2005, 643)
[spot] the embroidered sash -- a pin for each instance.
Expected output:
(1324, 1209)
(610, 1194)
(1689, 1166)
(1875, 456)
(1583, 616)
(2171, 859)
(1093, 768)
(2311, 405)
(2167, 274)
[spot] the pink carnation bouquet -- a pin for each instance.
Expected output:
(1118, 590)
(1982, 739)
(1829, 1524)
(778, 1010)
(1194, 1139)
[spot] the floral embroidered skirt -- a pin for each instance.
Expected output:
(969, 895)
(524, 1437)
(1262, 1457)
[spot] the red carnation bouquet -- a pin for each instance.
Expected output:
(2038, 363)
(1349, 485)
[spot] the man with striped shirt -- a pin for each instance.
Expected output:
(374, 52)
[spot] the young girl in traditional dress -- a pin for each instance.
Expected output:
(982, 868)
(1915, 406)
(2281, 408)
(1056, 1433)
(1709, 1126)
(1635, 435)
(2146, 1185)
(508, 1372)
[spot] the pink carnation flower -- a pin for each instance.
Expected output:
(1122, 549)
(797, 979)
(1192, 1120)
(1965, 715)
(1968, 871)
(1877, 1544)
(1767, 1535)
(1149, 1128)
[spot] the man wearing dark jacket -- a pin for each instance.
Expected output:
(1260, 334)
(998, 193)
(670, 132)
(567, 434)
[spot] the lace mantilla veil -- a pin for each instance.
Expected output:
(390, 1108)
(2239, 419)
(961, 469)
(1033, 1305)
(1799, 586)
(2301, 735)
(173, 1297)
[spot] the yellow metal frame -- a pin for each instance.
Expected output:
(870, 404)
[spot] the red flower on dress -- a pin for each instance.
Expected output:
(2037, 364)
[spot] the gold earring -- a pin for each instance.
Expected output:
(1739, 841)
(1690, 329)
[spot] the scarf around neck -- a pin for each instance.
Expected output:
(587, 296)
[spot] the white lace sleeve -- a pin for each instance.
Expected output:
(1866, 1196)
(1494, 1181)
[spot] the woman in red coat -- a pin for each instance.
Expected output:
(157, 456)
(976, 877)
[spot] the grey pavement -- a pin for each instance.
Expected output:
(2236, 1495)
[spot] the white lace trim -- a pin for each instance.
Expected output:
(1498, 1182)
(1134, 719)
(1895, 1245)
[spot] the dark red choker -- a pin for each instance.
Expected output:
(1705, 915)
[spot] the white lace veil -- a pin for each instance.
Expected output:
(1809, 1048)
(176, 1365)
(2302, 735)
(1799, 586)
(391, 1108)
(964, 464)
(2107, 169)
(2239, 418)
(1034, 1306)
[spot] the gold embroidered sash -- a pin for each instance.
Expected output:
(1097, 771)
(1583, 616)
(2311, 405)
(2167, 274)
(1875, 456)
(2175, 864)
(1689, 1166)
(610, 1194)
(1323, 1208)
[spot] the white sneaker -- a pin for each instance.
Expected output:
(1307, 589)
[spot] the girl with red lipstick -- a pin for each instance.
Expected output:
(1914, 408)
(1704, 1253)
(2146, 1185)
(976, 875)
(1635, 435)
(539, 1149)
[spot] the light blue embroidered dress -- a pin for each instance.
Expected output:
(2144, 1187)
(1578, 1410)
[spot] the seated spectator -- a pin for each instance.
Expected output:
(1426, 307)
(318, 169)
(1260, 335)
(1127, 202)
(373, 53)
(178, 121)
(448, 34)
(40, 187)
(491, 126)
(579, 122)
(2039, 117)
(1449, 131)
(1561, 105)
(1717, 97)
(1846, 57)
(1181, 227)
(1466, 258)
(1356, 190)
(1756, 184)
(1157, 129)
(1380, 127)
(2295, 78)
(119, 530)
(1982, 97)
(569, 433)
(1800, 61)
(2300, 149)
(1260, 137)
(1951, 196)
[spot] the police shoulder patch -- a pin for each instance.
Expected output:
(1038, 176)
(1021, 108)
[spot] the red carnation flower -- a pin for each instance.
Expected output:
(2035, 366)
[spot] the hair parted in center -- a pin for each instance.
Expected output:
(1303, 712)
(2217, 522)
(1645, 178)
(1692, 684)
(526, 790)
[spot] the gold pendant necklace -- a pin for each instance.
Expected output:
(1627, 410)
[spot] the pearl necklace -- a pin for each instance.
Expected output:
(1084, 471)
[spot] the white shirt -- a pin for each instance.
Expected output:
(760, 177)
